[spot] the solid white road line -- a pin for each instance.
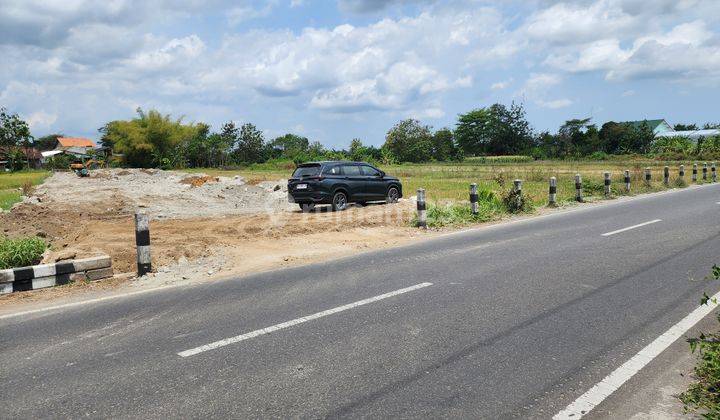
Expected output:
(276, 327)
(631, 227)
(86, 302)
(619, 376)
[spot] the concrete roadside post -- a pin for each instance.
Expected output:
(682, 173)
(704, 171)
(648, 176)
(578, 188)
(627, 181)
(142, 242)
(474, 198)
(421, 209)
(517, 187)
(713, 169)
(666, 176)
(607, 184)
(694, 174)
(552, 200)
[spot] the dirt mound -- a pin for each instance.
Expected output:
(197, 181)
(164, 194)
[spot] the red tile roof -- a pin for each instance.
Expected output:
(75, 142)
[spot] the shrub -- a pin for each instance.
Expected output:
(21, 252)
(599, 156)
(680, 182)
(516, 201)
(592, 187)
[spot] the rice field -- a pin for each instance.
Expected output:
(449, 182)
(11, 184)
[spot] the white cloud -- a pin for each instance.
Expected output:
(40, 120)
(555, 103)
(501, 85)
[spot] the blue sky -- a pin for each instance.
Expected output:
(337, 70)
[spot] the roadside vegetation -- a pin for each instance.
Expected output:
(703, 395)
(13, 185)
(21, 252)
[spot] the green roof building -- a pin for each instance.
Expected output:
(657, 126)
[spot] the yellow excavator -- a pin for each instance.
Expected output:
(82, 167)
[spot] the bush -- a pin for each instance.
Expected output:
(21, 252)
(592, 187)
(599, 156)
(516, 201)
(489, 208)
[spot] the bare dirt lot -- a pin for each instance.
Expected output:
(201, 226)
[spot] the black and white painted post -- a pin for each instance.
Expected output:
(666, 176)
(694, 175)
(648, 176)
(142, 242)
(517, 186)
(474, 198)
(704, 171)
(607, 184)
(627, 181)
(421, 209)
(682, 173)
(552, 200)
(713, 169)
(578, 188)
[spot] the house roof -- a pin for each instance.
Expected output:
(653, 124)
(75, 142)
(692, 134)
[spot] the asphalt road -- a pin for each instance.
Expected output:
(520, 320)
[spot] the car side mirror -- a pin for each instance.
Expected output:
(381, 174)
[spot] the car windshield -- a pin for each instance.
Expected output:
(304, 171)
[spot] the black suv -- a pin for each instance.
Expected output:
(338, 183)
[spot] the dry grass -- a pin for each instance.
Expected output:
(449, 182)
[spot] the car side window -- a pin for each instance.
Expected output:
(333, 170)
(370, 171)
(351, 170)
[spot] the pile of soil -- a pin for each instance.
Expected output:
(163, 194)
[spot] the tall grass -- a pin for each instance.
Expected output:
(20, 252)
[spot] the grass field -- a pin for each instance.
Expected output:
(449, 182)
(11, 183)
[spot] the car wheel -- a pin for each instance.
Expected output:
(339, 202)
(393, 195)
(307, 207)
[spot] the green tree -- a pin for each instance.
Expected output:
(150, 139)
(444, 147)
(14, 131)
(289, 146)
(496, 130)
(46, 142)
(410, 141)
(250, 145)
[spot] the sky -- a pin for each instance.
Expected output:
(334, 70)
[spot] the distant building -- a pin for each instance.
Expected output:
(657, 126)
(31, 157)
(74, 143)
(692, 134)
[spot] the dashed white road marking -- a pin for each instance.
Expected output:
(619, 376)
(276, 327)
(631, 227)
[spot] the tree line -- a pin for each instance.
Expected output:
(153, 139)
